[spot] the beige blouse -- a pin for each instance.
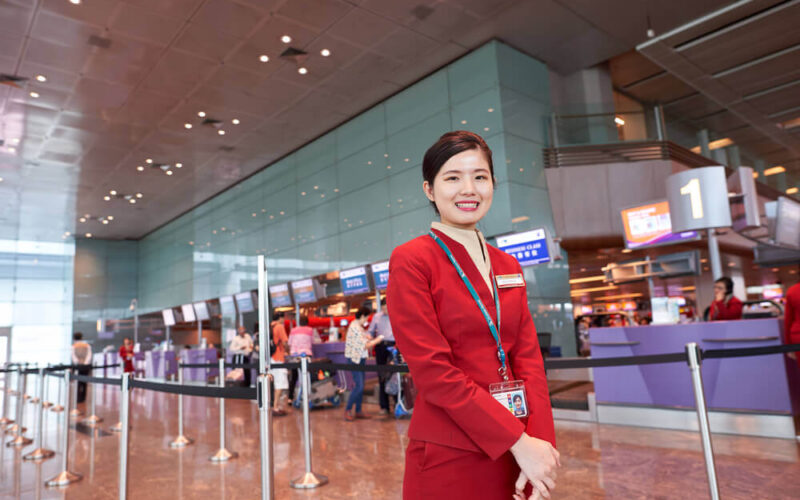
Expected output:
(475, 245)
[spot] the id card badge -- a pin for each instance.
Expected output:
(511, 395)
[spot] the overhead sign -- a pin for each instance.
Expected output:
(244, 302)
(169, 317)
(354, 280)
(380, 273)
(303, 291)
(279, 295)
(787, 223)
(529, 248)
(744, 203)
(226, 305)
(651, 225)
(698, 199)
(201, 311)
(188, 313)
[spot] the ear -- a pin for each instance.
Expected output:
(428, 189)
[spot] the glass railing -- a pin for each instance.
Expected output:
(604, 128)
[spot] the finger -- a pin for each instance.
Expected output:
(550, 483)
(541, 488)
(536, 495)
(557, 456)
(522, 480)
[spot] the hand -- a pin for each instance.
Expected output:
(537, 460)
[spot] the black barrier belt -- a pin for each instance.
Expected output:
(197, 390)
(198, 365)
(649, 359)
(96, 380)
(749, 351)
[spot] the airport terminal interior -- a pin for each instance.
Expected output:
(184, 183)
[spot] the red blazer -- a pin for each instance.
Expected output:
(721, 311)
(792, 315)
(452, 356)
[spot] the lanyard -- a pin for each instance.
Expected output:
(501, 354)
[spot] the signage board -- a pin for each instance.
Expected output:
(303, 291)
(698, 199)
(787, 223)
(244, 302)
(380, 274)
(279, 295)
(188, 313)
(169, 317)
(226, 306)
(201, 311)
(651, 225)
(529, 248)
(354, 280)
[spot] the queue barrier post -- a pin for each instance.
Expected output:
(17, 429)
(265, 424)
(222, 455)
(124, 417)
(5, 421)
(181, 441)
(65, 477)
(309, 479)
(695, 361)
(31, 398)
(58, 407)
(92, 420)
(75, 412)
(46, 403)
(40, 453)
(118, 426)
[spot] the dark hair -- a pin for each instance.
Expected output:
(276, 316)
(516, 397)
(303, 320)
(727, 282)
(449, 145)
(383, 301)
(363, 311)
(77, 336)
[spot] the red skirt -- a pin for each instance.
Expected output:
(440, 472)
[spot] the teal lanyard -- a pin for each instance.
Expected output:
(501, 354)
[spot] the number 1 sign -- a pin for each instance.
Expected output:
(698, 199)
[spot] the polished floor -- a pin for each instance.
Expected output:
(364, 459)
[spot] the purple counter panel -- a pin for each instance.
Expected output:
(112, 358)
(253, 371)
(759, 383)
(335, 352)
(99, 359)
(199, 356)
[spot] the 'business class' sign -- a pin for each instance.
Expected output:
(380, 273)
(354, 280)
(528, 248)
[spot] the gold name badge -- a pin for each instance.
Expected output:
(509, 280)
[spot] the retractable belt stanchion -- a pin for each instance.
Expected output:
(264, 380)
(64, 477)
(309, 479)
(46, 403)
(18, 429)
(75, 412)
(35, 398)
(180, 441)
(40, 453)
(5, 421)
(92, 420)
(118, 426)
(58, 407)
(222, 455)
(695, 361)
(124, 418)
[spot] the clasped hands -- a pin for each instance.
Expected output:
(538, 461)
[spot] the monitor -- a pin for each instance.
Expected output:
(169, 317)
(279, 295)
(649, 225)
(201, 311)
(244, 302)
(787, 223)
(380, 274)
(529, 248)
(226, 305)
(188, 313)
(354, 280)
(304, 291)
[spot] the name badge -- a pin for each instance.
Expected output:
(509, 280)
(512, 396)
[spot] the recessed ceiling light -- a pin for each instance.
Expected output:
(302, 70)
(168, 172)
(221, 132)
(201, 114)
(132, 201)
(112, 192)
(106, 197)
(110, 217)
(325, 52)
(35, 95)
(792, 190)
(15, 140)
(41, 78)
(263, 58)
(67, 233)
(82, 219)
(286, 39)
(149, 160)
(1, 179)
(88, 235)
(140, 168)
(463, 122)
(235, 121)
(187, 125)
(105, 221)
(178, 165)
(490, 110)
(12, 150)
(138, 195)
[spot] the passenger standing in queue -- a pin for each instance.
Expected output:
(460, 317)
(725, 305)
(792, 318)
(82, 357)
(381, 325)
(280, 376)
(126, 355)
(241, 346)
(356, 351)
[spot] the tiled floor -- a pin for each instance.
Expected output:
(364, 459)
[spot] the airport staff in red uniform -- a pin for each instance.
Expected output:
(459, 313)
(126, 355)
(792, 318)
(725, 305)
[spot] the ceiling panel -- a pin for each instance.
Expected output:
(770, 72)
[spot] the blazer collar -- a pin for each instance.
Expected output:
(464, 260)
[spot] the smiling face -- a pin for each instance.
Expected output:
(462, 189)
(517, 403)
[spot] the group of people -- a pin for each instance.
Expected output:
(81, 355)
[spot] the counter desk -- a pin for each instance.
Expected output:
(757, 395)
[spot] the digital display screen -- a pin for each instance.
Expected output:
(169, 317)
(354, 280)
(226, 305)
(303, 291)
(529, 248)
(380, 273)
(201, 311)
(244, 301)
(650, 225)
(279, 295)
(188, 313)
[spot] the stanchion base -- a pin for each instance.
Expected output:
(57, 409)
(308, 481)
(47, 404)
(116, 427)
(26, 397)
(181, 441)
(75, 413)
(5, 422)
(19, 442)
(64, 478)
(14, 393)
(14, 429)
(39, 454)
(92, 420)
(34, 400)
(223, 455)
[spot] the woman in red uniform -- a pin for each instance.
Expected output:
(126, 355)
(792, 318)
(460, 316)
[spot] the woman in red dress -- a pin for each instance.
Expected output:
(126, 355)
(460, 316)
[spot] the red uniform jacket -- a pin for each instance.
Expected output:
(792, 315)
(127, 357)
(721, 311)
(451, 354)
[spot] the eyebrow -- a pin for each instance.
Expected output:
(456, 171)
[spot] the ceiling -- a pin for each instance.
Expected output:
(735, 73)
(124, 77)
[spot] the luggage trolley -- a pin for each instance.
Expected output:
(327, 389)
(402, 386)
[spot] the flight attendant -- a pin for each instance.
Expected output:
(459, 313)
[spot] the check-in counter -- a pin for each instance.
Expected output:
(160, 364)
(735, 388)
(199, 356)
